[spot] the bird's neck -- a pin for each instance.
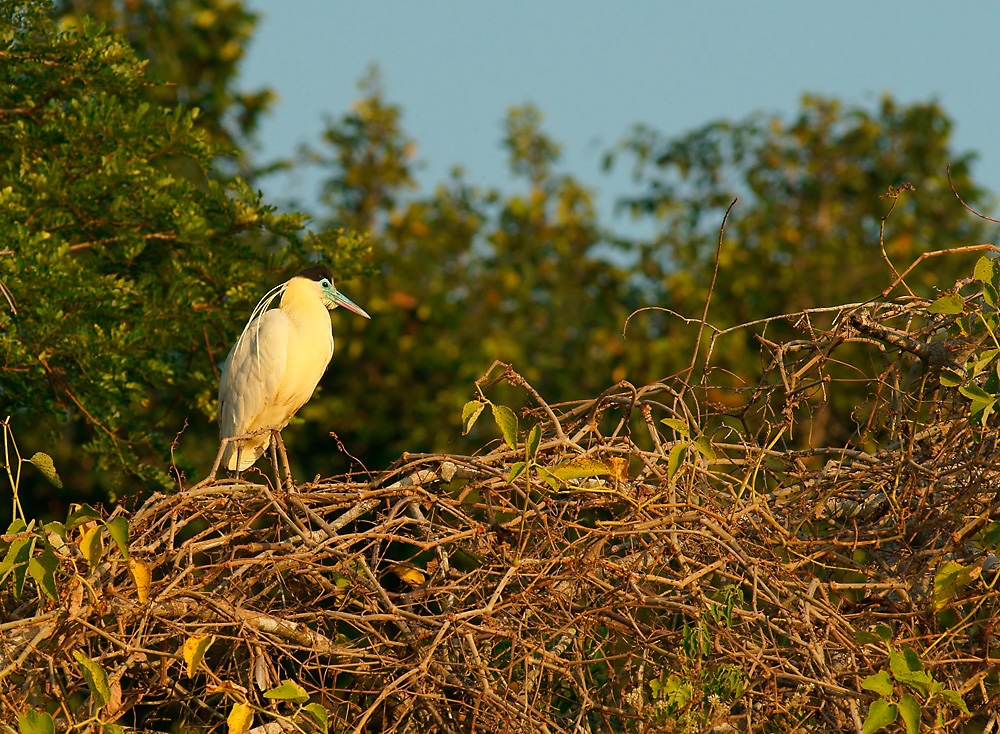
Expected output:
(302, 305)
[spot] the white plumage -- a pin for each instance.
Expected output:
(275, 365)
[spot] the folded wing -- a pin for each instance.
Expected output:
(250, 381)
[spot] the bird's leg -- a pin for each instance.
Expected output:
(239, 457)
(280, 450)
(274, 464)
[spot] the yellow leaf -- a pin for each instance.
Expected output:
(227, 687)
(580, 468)
(47, 467)
(240, 718)
(194, 650)
(141, 576)
(951, 580)
(619, 468)
(680, 427)
(471, 411)
(92, 545)
(410, 575)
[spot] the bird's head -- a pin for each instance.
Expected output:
(321, 276)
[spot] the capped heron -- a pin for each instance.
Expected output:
(276, 363)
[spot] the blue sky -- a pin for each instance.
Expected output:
(596, 68)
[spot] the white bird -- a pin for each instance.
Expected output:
(275, 365)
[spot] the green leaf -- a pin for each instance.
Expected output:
(982, 401)
(118, 528)
(43, 570)
(989, 536)
(548, 477)
(912, 658)
(15, 554)
(515, 471)
(704, 447)
(533, 441)
(17, 526)
(580, 468)
(949, 305)
(955, 699)
(983, 360)
(992, 383)
(951, 378)
(984, 270)
(55, 527)
(879, 683)
(951, 580)
(97, 679)
(675, 458)
(990, 295)
(679, 427)
(80, 514)
(470, 412)
(974, 392)
(507, 423)
(904, 661)
(883, 630)
(920, 681)
(31, 721)
(289, 690)
(319, 714)
(676, 692)
(47, 467)
(112, 729)
(909, 711)
(864, 637)
(15, 562)
(908, 670)
(880, 715)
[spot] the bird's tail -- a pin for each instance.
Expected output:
(247, 452)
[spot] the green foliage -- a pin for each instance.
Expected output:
(465, 276)
(130, 267)
(906, 674)
(31, 721)
(370, 160)
(289, 690)
(96, 677)
(812, 225)
(47, 467)
(12, 463)
(687, 698)
(528, 275)
(196, 46)
(813, 200)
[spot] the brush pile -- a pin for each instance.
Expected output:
(680, 557)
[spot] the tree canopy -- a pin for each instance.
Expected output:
(133, 254)
(128, 263)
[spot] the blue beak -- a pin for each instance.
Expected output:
(339, 299)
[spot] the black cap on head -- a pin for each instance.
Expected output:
(315, 272)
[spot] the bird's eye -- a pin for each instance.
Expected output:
(325, 282)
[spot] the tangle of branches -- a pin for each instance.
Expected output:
(683, 556)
